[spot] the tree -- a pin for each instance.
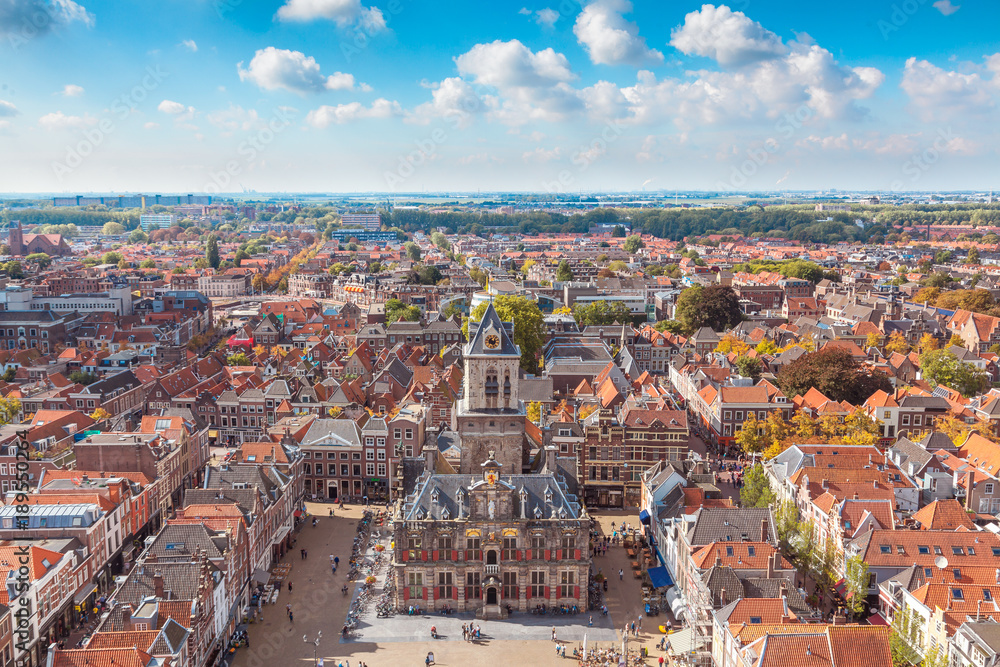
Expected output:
(528, 263)
(928, 295)
(973, 256)
(715, 306)
(479, 276)
(750, 437)
(441, 241)
(939, 279)
(956, 340)
(397, 310)
(112, 229)
(903, 640)
(99, 414)
(111, 258)
(835, 373)
(412, 251)
(212, 251)
(138, 236)
(617, 266)
(618, 232)
(897, 343)
(601, 313)
(856, 571)
(10, 409)
(927, 343)
(633, 244)
(670, 326)
(529, 325)
(731, 343)
(767, 346)
(874, 339)
(241, 254)
(943, 367)
(749, 367)
(563, 272)
(147, 264)
(14, 269)
(9, 374)
(238, 359)
(40, 258)
(257, 282)
(534, 411)
(756, 491)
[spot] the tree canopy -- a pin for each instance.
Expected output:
(835, 373)
(715, 306)
(397, 310)
(943, 367)
(601, 313)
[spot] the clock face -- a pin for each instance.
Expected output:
(492, 341)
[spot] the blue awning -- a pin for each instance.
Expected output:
(644, 516)
(659, 577)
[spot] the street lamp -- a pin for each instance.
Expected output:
(315, 643)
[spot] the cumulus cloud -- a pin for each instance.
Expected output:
(546, 17)
(937, 92)
(281, 69)
(346, 113)
(452, 99)
(190, 45)
(151, 125)
(730, 38)
(28, 18)
(344, 13)
(57, 120)
(71, 90)
(172, 108)
(945, 7)
(609, 38)
(7, 109)
(533, 85)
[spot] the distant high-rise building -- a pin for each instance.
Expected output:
(369, 221)
(160, 220)
(16, 239)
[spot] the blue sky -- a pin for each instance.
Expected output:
(409, 95)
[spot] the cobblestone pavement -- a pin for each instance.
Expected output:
(319, 606)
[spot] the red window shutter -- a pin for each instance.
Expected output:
(423, 555)
(576, 554)
(517, 554)
(548, 554)
(558, 554)
(406, 592)
(406, 555)
(527, 554)
(454, 554)
(425, 593)
(576, 592)
(454, 592)
(546, 592)
(434, 555)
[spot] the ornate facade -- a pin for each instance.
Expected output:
(490, 416)
(480, 542)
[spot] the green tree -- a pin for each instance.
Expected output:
(441, 241)
(138, 236)
(412, 251)
(943, 367)
(40, 258)
(563, 272)
(749, 367)
(529, 325)
(904, 638)
(111, 258)
(241, 254)
(834, 372)
(112, 229)
(397, 310)
(212, 251)
(715, 306)
(238, 359)
(10, 409)
(856, 571)
(756, 491)
(479, 276)
(147, 264)
(633, 244)
(973, 256)
(618, 232)
(601, 313)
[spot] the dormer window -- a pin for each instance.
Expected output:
(537, 512)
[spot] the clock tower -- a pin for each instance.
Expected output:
(490, 415)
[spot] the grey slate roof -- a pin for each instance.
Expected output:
(180, 582)
(452, 493)
(491, 322)
(730, 524)
(182, 541)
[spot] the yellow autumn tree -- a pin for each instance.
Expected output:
(767, 346)
(927, 343)
(874, 339)
(731, 343)
(99, 414)
(897, 343)
(535, 411)
(750, 437)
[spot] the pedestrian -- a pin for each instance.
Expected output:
(633, 627)
(289, 587)
(305, 554)
(288, 608)
(553, 633)
(336, 560)
(302, 553)
(640, 624)
(291, 617)
(591, 621)
(621, 575)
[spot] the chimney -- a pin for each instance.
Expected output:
(151, 558)
(718, 561)
(855, 495)
(722, 597)
(763, 531)
(969, 481)
(158, 584)
(430, 458)
(770, 566)
(126, 618)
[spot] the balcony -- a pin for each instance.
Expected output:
(492, 569)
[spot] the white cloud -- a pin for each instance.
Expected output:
(546, 17)
(480, 158)
(57, 120)
(151, 125)
(730, 38)
(346, 113)
(541, 155)
(190, 45)
(534, 86)
(28, 18)
(171, 107)
(7, 109)
(609, 38)
(453, 99)
(277, 69)
(344, 13)
(937, 92)
(235, 118)
(945, 7)
(72, 90)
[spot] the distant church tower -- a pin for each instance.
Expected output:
(16, 239)
(490, 414)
